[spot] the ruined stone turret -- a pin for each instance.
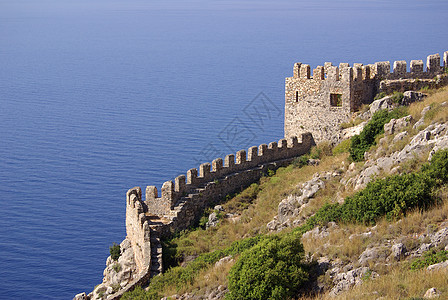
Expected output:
(321, 102)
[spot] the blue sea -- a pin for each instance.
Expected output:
(99, 96)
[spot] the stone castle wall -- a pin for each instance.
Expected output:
(321, 102)
(182, 202)
(138, 230)
(315, 106)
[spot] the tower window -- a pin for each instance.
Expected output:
(297, 96)
(336, 100)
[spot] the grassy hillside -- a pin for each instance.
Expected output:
(404, 207)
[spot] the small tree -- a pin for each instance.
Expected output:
(272, 269)
(115, 251)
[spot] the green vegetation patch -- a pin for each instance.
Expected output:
(115, 251)
(429, 258)
(362, 142)
(272, 269)
(391, 197)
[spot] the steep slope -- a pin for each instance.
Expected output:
(384, 255)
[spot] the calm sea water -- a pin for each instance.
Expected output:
(96, 98)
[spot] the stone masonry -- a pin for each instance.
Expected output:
(321, 102)
(182, 202)
(314, 108)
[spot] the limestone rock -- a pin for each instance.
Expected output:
(432, 293)
(412, 96)
(352, 131)
(421, 121)
(395, 125)
(383, 103)
(218, 208)
(439, 266)
(400, 136)
(213, 220)
(344, 281)
(224, 260)
(398, 251)
(80, 296)
(287, 208)
(374, 254)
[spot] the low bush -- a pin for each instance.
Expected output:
(397, 97)
(429, 258)
(342, 147)
(183, 276)
(380, 96)
(322, 149)
(115, 251)
(273, 269)
(301, 161)
(391, 197)
(362, 142)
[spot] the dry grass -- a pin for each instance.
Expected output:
(253, 219)
(435, 99)
(351, 123)
(213, 277)
(344, 242)
(396, 283)
(400, 283)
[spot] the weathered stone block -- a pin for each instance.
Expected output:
(192, 176)
(400, 67)
(305, 71)
(319, 73)
(217, 165)
(229, 161)
(417, 66)
(241, 157)
(296, 70)
(445, 59)
(333, 73)
(433, 63)
(383, 68)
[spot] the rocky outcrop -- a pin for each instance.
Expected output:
(118, 273)
(292, 206)
(432, 138)
(412, 96)
(346, 280)
(432, 293)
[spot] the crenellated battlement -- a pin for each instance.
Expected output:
(316, 102)
(138, 229)
(219, 170)
(182, 202)
(378, 70)
(320, 101)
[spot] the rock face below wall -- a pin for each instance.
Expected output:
(118, 273)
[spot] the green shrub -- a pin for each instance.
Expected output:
(362, 142)
(273, 269)
(438, 168)
(429, 258)
(301, 161)
(115, 251)
(181, 276)
(140, 294)
(323, 149)
(380, 96)
(116, 267)
(397, 97)
(342, 147)
(391, 197)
